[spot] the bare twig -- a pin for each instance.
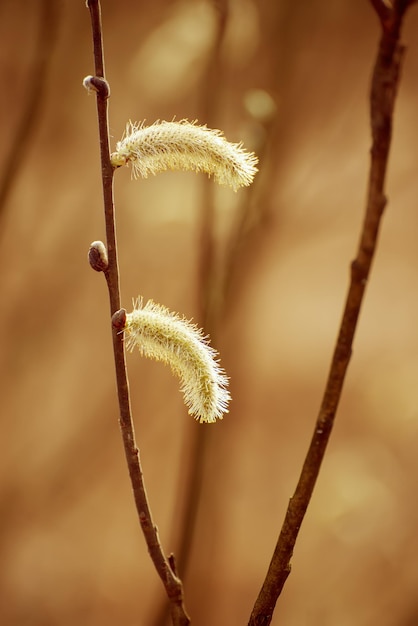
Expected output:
(32, 105)
(198, 442)
(208, 305)
(383, 94)
(171, 581)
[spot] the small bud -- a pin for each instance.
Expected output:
(98, 256)
(97, 84)
(119, 320)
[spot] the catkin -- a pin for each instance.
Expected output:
(162, 335)
(184, 146)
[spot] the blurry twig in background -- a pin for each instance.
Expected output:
(99, 261)
(208, 307)
(258, 211)
(50, 12)
(383, 95)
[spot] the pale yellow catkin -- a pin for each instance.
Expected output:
(164, 336)
(184, 146)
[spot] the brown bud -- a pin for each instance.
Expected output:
(119, 320)
(98, 256)
(98, 84)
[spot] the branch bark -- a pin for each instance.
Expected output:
(164, 566)
(382, 99)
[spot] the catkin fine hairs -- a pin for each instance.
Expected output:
(164, 336)
(184, 146)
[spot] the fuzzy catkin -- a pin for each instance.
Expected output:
(184, 146)
(162, 335)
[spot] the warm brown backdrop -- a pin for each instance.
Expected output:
(70, 548)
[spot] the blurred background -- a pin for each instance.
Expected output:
(265, 271)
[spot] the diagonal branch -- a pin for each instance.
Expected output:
(383, 95)
(165, 567)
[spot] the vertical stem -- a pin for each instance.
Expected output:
(49, 18)
(208, 300)
(383, 95)
(165, 569)
(197, 445)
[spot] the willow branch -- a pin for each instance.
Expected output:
(383, 95)
(165, 569)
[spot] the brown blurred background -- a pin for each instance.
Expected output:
(291, 80)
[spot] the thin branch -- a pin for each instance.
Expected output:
(171, 581)
(197, 445)
(208, 303)
(383, 95)
(50, 14)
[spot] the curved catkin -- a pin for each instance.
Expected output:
(184, 146)
(164, 336)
